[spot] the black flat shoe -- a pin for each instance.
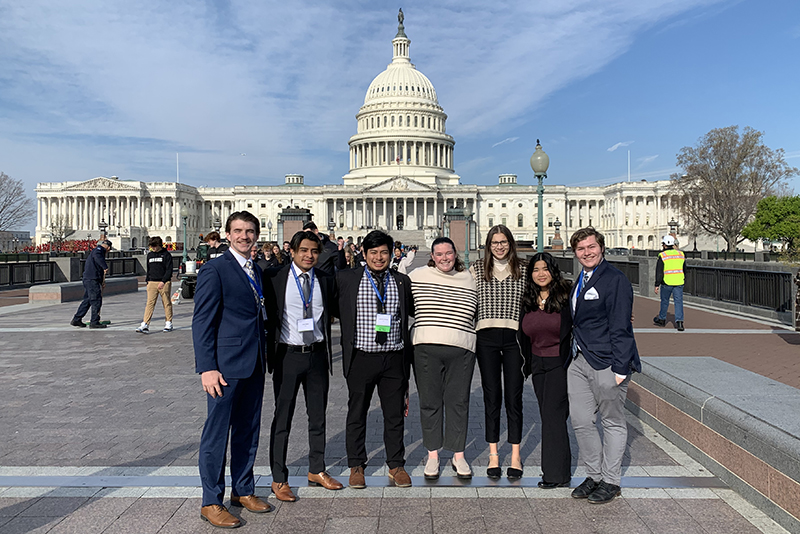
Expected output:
(604, 493)
(552, 485)
(494, 473)
(585, 489)
(513, 473)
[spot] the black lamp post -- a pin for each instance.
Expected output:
(102, 226)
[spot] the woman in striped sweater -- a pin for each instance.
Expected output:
(445, 301)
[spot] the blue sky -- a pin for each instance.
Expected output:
(91, 88)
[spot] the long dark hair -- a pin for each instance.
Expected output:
(511, 256)
(459, 265)
(558, 290)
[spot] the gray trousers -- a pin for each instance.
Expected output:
(595, 393)
(444, 380)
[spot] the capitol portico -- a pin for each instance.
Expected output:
(401, 178)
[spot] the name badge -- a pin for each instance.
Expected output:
(305, 325)
(383, 322)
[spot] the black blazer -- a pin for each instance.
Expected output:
(275, 281)
(348, 281)
(564, 337)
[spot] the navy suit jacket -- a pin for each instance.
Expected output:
(275, 281)
(227, 326)
(602, 326)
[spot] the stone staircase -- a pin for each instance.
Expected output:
(412, 237)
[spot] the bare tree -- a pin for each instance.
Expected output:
(15, 207)
(59, 228)
(724, 176)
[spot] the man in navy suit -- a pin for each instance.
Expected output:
(301, 299)
(603, 357)
(229, 342)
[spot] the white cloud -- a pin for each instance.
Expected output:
(618, 145)
(506, 140)
(643, 162)
(281, 82)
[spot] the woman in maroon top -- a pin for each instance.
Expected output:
(545, 340)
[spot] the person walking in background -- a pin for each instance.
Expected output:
(215, 245)
(545, 333)
(374, 307)
(604, 355)
(94, 275)
(159, 283)
(228, 338)
(301, 300)
(445, 300)
(500, 283)
(670, 279)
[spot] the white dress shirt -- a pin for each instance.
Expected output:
(293, 309)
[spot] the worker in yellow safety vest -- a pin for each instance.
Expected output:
(669, 280)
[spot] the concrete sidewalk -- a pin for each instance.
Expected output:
(82, 407)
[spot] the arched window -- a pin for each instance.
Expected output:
(520, 221)
(416, 124)
(400, 120)
(392, 120)
(384, 121)
(408, 120)
(373, 122)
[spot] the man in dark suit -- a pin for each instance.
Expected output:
(374, 306)
(329, 252)
(604, 355)
(228, 336)
(301, 300)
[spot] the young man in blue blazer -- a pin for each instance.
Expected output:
(229, 343)
(604, 355)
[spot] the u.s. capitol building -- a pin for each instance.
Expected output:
(401, 178)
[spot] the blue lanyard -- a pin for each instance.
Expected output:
(300, 288)
(256, 286)
(381, 298)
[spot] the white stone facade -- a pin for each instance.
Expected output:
(401, 174)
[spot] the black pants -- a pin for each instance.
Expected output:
(444, 382)
(92, 296)
(385, 371)
(550, 384)
(498, 353)
(292, 370)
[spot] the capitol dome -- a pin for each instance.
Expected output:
(401, 126)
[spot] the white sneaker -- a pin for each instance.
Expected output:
(144, 328)
(168, 326)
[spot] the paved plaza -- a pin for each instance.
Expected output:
(100, 432)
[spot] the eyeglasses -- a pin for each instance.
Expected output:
(498, 244)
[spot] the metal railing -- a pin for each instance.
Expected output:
(24, 256)
(629, 268)
(117, 266)
(773, 290)
(26, 273)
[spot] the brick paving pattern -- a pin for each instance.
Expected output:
(121, 402)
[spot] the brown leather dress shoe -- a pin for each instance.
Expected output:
(251, 503)
(325, 480)
(357, 480)
(400, 477)
(219, 516)
(283, 492)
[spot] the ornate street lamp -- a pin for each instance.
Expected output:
(269, 230)
(539, 163)
(558, 243)
(673, 226)
(102, 226)
(184, 216)
(217, 224)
